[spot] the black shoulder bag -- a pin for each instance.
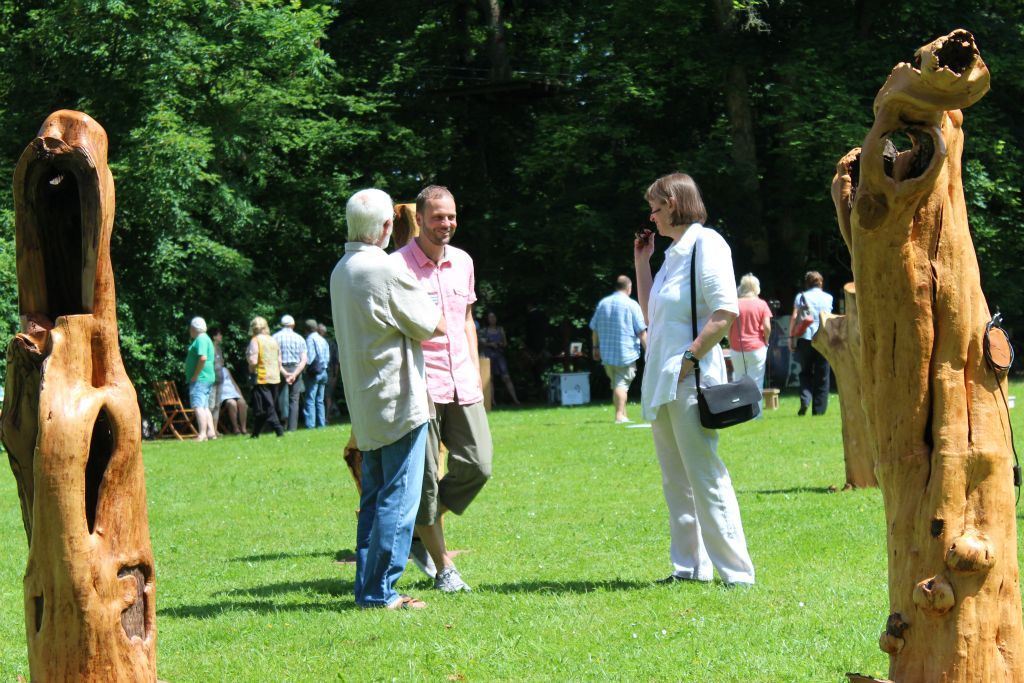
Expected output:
(721, 405)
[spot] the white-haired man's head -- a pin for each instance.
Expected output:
(196, 327)
(370, 214)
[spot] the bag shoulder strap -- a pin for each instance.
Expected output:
(693, 306)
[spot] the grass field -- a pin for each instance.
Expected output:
(561, 548)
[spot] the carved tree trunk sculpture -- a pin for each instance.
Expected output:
(838, 339)
(937, 409)
(71, 422)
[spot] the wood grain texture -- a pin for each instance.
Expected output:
(71, 422)
(936, 408)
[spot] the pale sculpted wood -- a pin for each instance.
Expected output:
(838, 339)
(936, 408)
(71, 422)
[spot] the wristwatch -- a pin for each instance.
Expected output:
(688, 355)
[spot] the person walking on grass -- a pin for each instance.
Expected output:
(618, 333)
(200, 377)
(381, 317)
(814, 368)
(453, 380)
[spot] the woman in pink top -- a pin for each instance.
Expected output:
(748, 337)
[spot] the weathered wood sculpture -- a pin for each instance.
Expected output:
(71, 422)
(937, 409)
(838, 339)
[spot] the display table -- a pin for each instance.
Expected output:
(569, 388)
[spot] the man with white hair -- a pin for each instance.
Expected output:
(381, 316)
(200, 376)
(293, 360)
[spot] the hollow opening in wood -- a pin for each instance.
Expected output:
(957, 53)
(101, 449)
(37, 605)
(907, 153)
(133, 619)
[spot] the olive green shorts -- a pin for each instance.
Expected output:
(465, 433)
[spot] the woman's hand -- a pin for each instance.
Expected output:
(643, 244)
(685, 370)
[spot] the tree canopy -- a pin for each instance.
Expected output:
(238, 129)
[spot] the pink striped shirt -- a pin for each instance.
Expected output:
(452, 286)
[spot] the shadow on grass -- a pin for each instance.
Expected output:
(554, 587)
(262, 603)
(270, 557)
(795, 489)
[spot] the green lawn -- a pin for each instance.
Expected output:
(561, 549)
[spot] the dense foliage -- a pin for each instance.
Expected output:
(239, 127)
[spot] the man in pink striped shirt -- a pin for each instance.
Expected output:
(453, 382)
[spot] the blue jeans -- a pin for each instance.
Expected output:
(313, 409)
(392, 481)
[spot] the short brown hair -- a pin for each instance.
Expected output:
(813, 279)
(689, 205)
(431, 192)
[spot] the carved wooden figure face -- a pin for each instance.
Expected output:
(71, 421)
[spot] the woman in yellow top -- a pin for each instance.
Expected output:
(264, 357)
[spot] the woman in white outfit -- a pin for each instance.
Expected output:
(704, 517)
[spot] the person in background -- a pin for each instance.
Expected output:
(264, 356)
(493, 343)
(218, 366)
(453, 381)
(618, 333)
(332, 372)
(318, 357)
(749, 334)
(814, 369)
(381, 316)
(293, 362)
(200, 377)
(704, 516)
(233, 403)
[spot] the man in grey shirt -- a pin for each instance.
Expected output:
(381, 315)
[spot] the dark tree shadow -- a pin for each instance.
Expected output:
(562, 587)
(337, 598)
(795, 489)
(331, 587)
(270, 557)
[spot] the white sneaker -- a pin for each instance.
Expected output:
(449, 581)
(422, 559)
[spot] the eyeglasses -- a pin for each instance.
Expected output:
(654, 211)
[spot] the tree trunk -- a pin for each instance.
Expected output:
(497, 49)
(838, 339)
(71, 422)
(741, 128)
(937, 408)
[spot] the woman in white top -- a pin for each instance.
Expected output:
(704, 517)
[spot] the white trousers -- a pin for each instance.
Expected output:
(751, 364)
(704, 517)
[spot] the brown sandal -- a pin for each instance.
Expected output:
(407, 602)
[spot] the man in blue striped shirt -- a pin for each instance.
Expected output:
(619, 333)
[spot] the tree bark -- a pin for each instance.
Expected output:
(741, 128)
(71, 422)
(838, 339)
(937, 409)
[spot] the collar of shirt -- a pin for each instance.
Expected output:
(425, 261)
(684, 244)
(352, 247)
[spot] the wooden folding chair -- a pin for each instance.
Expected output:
(176, 415)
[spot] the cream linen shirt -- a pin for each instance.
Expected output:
(668, 309)
(381, 315)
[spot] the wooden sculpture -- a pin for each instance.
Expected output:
(936, 407)
(71, 422)
(838, 339)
